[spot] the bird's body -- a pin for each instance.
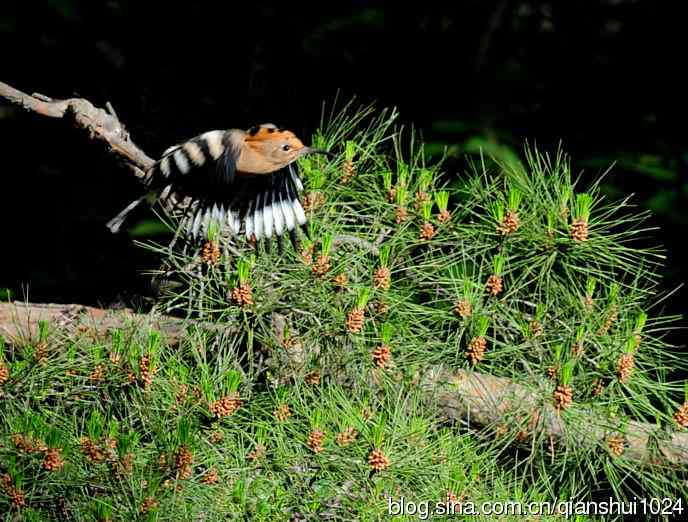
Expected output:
(231, 177)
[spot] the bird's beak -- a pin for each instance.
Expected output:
(310, 150)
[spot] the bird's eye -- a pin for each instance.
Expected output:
(285, 148)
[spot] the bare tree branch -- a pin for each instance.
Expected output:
(101, 124)
(487, 401)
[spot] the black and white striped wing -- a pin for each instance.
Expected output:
(200, 176)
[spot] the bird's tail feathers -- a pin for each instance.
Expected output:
(116, 222)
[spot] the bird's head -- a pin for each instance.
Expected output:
(274, 148)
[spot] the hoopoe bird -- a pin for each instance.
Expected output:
(233, 178)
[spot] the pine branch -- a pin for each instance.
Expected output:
(478, 399)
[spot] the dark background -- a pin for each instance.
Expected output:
(603, 77)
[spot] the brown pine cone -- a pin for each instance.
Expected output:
(563, 397)
(91, 450)
(210, 477)
(624, 366)
(509, 224)
(427, 231)
(340, 280)
(52, 461)
(97, 374)
(444, 216)
(420, 199)
(282, 412)
(313, 201)
(355, 319)
(382, 278)
(381, 308)
(346, 437)
(609, 321)
(494, 285)
(463, 308)
(315, 440)
(148, 504)
(400, 214)
(681, 415)
(16, 495)
(381, 355)
(183, 462)
(535, 328)
(348, 171)
(307, 255)
(312, 378)
(147, 371)
(256, 453)
(227, 405)
(597, 387)
(552, 372)
(378, 460)
(616, 445)
(242, 295)
(321, 266)
(4, 373)
(210, 253)
(579, 230)
(577, 348)
(476, 349)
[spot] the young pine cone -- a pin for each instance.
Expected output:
(315, 441)
(210, 253)
(494, 285)
(183, 462)
(210, 478)
(563, 397)
(91, 450)
(4, 373)
(147, 371)
(681, 415)
(552, 372)
(14, 493)
(282, 412)
(392, 194)
(382, 278)
(476, 349)
(340, 280)
(97, 374)
(579, 230)
(624, 367)
(463, 309)
(355, 319)
(378, 460)
(312, 378)
(597, 387)
(256, 453)
(381, 355)
(348, 171)
(420, 199)
(616, 445)
(242, 295)
(444, 216)
(535, 328)
(52, 461)
(427, 231)
(509, 224)
(313, 201)
(321, 266)
(400, 214)
(346, 437)
(227, 405)
(148, 504)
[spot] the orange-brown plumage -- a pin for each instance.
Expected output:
(233, 177)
